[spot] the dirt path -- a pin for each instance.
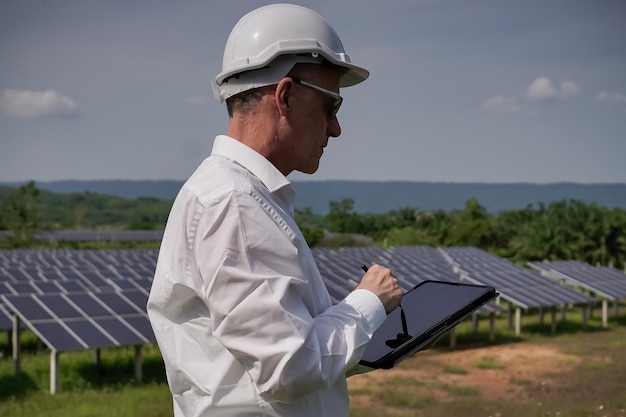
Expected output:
(498, 372)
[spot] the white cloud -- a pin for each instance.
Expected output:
(197, 101)
(611, 98)
(32, 104)
(569, 89)
(616, 99)
(501, 104)
(543, 89)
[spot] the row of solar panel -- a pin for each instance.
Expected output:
(99, 260)
(96, 235)
(341, 267)
(65, 271)
(73, 321)
(517, 285)
(53, 298)
(98, 268)
(66, 286)
(89, 305)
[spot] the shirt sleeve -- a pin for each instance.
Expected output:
(253, 285)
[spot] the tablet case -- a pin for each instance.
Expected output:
(426, 312)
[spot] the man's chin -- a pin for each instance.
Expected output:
(310, 170)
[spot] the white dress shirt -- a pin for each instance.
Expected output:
(238, 306)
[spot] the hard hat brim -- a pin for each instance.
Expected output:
(227, 85)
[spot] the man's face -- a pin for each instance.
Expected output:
(314, 119)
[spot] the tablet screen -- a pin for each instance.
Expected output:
(430, 309)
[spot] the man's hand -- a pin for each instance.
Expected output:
(381, 282)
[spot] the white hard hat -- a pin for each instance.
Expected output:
(267, 42)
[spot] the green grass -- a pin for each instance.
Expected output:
(487, 362)
(149, 400)
(86, 390)
(403, 399)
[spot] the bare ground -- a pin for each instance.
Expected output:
(582, 375)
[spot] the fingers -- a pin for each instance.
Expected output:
(381, 282)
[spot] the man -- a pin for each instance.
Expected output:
(238, 306)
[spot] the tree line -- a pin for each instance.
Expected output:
(561, 230)
(27, 209)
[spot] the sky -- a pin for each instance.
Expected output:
(492, 91)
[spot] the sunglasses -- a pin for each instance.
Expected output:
(334, 108)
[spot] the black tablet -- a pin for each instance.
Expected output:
(427, 311)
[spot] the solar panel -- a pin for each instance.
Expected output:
(70, 274)
(86, 303)
(606, 282)
(93, 279)
(59, 306)
(123, 334)
(18, 274)
(137, 297)
(56, 336)
(91, 335)
(5, 275)
(141, 325)
(127, 271)
(51, 275)
(21, 287)
(517, 285)
(6, 322)
(70, 286)
(117, 303)
(28, 306)
(123, 284)
(46, 287)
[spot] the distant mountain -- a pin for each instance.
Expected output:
(382, 197)
(161, 189)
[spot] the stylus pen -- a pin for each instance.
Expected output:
(405, 328)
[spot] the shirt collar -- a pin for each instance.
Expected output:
(254, 162)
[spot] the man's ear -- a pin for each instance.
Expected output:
(282, 95)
